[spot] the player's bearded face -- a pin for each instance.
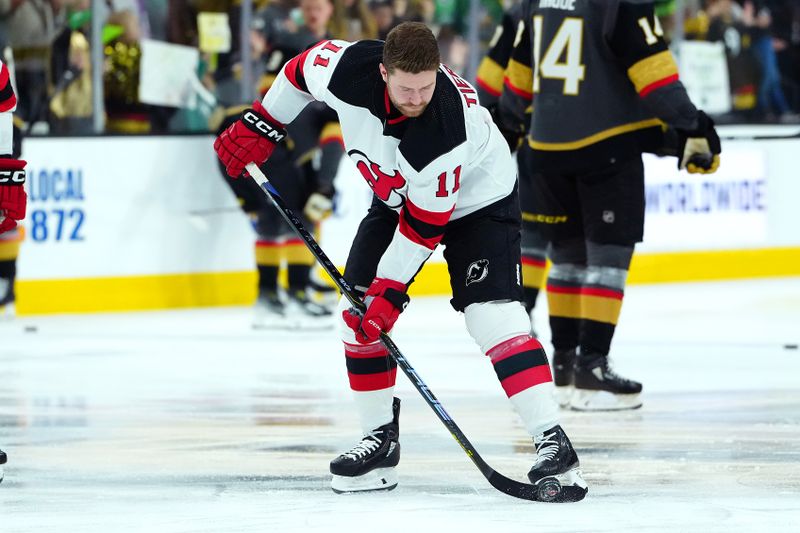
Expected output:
(410, 93)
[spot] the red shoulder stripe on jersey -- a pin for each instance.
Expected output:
(7, 98)
(294, 69)
(658, 84)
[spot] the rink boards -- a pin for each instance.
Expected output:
(147, 222)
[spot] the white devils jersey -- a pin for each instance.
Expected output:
(445, 164)
(8, 102)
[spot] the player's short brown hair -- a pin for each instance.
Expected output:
(411, 47)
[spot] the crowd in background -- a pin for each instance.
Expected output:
(47, 43)
(762, 45)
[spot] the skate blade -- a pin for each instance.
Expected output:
(271, 324)
(310, 324)
(306, 322)
(592, 400)
(562, 488)
(378, 479)
(563, 395)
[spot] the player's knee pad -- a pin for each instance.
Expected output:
(490, 323)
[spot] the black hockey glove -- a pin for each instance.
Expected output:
(699, 149)
(512, 136)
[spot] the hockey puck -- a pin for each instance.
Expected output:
(31, 329)
(790, 346)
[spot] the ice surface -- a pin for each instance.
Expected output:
(190, 421)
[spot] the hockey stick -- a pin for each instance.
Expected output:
(525, 491)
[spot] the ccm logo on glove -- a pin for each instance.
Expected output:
(15, 177)
(257, 124)
(387, 299)
(251, 139)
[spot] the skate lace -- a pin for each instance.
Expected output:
(610, 372)
(368, 444)
(546, 447)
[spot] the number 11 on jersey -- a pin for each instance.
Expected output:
(442, 190)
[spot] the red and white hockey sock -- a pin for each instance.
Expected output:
(524, 373)
(372, 373)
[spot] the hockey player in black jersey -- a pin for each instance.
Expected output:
(308, 188)
(489, 84)
(603, 85)
(302, 169)
(441, 172)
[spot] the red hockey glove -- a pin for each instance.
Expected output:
(389, 299)
(12, 193)
(251, 139)
(699, 149)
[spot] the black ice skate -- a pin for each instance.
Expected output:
(556, 473)
(270, 312)
(6, 298)
(3, 460)
(304, 313)
(563, 375)
(370, 464)
(599, 388)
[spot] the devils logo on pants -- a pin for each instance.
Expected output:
(384, 185)
(477, 271)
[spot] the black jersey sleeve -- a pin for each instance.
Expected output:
(517, 96)
(637, 39)
(491, 71)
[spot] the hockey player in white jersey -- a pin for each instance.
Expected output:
(12, 191)
(441, 173)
